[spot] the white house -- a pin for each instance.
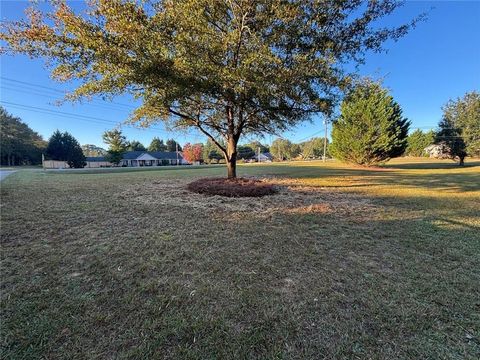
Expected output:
(130, 158)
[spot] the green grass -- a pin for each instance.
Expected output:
(343, 263)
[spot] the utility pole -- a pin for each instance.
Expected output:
(325, 121)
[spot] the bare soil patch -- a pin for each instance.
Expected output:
(240, 187)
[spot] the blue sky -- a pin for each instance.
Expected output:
(437, 61)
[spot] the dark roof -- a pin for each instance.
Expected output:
(132, 155)
(165, 155)
(95, 158)
(160, 155)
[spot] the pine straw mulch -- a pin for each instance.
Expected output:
(239, 187)
(291, 197)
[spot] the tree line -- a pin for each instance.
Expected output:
(19, 144)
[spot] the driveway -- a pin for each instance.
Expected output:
(5, 173)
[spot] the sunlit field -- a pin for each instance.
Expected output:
(343, 262)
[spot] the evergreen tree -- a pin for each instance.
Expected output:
(451, 138)
(64, 147)
(371, 128)
(135, 146)
(464, 114)
(157, 145)
(117, 145)
(245, 152)
(417, 141)
(115, 140)
(172, 145)
(19, 144)
(211, 152)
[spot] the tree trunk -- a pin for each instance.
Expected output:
(231, 158)
(462, 161)
(231, 169)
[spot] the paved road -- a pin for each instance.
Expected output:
(5, 173)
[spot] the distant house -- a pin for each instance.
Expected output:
(130, 159)
(264, 157)
(152, 158)
(96, 161)
(438, 151)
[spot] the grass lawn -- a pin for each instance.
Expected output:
(342, 263)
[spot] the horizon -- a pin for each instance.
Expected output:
(433, 63)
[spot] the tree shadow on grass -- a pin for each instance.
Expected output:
(349, 177)
(432, 165)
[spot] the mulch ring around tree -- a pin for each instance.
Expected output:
(239, 187)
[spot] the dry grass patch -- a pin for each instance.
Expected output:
(291, 196)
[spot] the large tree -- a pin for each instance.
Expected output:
(172, 145)
(64, 147)
(117, 145)
(463, 114)
(157, 145)
(135, 145)
(18, 143)
(371, 128)
(283, 149)
(450, 138)
(224, 67)
(417, 141)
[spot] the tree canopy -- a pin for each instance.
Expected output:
(117, 145)
(313, 148)
(226, 68)
(157, 145)
(464, 115)
(93, 150)
(371, 128)
(135, 145)
(417, 141)
(283, 149)
(193, 152)
(449, 137)
(19, 144)
(172, 145)
(64, 147)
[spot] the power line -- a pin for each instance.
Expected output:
(69, 115)
(22, 91)
(53, 89)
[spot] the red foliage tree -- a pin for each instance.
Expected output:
(193, 153)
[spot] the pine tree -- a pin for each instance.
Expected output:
(172, 145)
(157, 145)
(117, 145)
(64, 147)
(417, 141)
(464, 114)
(451, 137)
(371, 128)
